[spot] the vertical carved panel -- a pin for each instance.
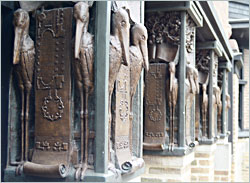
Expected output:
(53, 83)
(122, 128)
(202, 64)
(155, 105)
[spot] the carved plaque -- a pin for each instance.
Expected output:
(53, 86)
(122, 124)
(155, 104)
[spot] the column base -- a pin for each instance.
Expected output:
(178, 151)
(202, 169)
(222, 161)
(167, 168)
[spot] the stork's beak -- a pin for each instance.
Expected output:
(17, 44)
(125, 45)
(171, 81)
(144, 51)
(79, 27)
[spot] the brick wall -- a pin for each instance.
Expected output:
(202, 168)
(246, 89)
(222, 161)
(245, 159)
(235, 126)
(241, 163)
(167, 168)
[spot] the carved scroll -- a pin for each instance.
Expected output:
(155, 107)
(52, 92)
(122, 136)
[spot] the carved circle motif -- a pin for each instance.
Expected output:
(155, 115)
(60, 107)
(123, 110)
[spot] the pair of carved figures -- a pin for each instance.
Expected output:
(134, 57)
(120, 53)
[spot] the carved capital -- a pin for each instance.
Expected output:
(166, 27)
(202, 60)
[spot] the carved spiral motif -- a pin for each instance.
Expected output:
(60, 107)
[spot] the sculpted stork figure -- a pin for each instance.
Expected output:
(23, 60)
(138, 58)
(84, 75)
(204, 106)
(172, 87)
(118, 52)
(196, 81)
(228, 102)
(219, 105)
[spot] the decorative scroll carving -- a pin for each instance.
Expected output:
(52, 93)
(119, 53)
(23, 60)
(121, 121)
(84, 76)
(155, 107)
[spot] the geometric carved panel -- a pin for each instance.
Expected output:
(155, 105)
(53, 83)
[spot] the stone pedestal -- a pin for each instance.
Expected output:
(222, 161)
(202, 168)
(167, 168)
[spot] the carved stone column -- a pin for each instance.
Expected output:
(208, 79)
(169, 107)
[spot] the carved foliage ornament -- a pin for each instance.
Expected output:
(202, 60)
(166, 27)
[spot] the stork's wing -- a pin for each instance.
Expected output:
(90, 57)
(135, 71)
(29, 60)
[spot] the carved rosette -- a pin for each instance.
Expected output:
(202, 60)
(190, 34)
(166, 27)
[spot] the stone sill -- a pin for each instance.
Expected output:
(178, 151)
(90, 176)
(243, 134)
